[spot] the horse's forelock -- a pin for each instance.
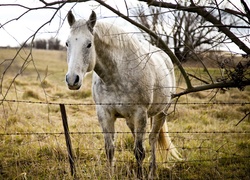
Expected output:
(79, 26)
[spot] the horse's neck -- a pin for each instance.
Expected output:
(117, 52)
(106, 65)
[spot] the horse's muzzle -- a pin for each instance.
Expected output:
(73, 82)
(74, 87)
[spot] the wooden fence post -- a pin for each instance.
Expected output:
(68, 140)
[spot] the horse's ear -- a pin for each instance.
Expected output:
(92, 20)
(71, 18)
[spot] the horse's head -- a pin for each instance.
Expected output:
(80, 50)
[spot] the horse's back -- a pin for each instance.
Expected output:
(167, 68)
(164, 84)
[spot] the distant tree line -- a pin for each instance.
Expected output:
(49, 44)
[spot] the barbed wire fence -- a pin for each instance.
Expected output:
(219, 148)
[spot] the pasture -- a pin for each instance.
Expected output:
(32, 145)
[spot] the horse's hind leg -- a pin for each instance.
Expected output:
(157, 123)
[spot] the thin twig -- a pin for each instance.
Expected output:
(247, 114)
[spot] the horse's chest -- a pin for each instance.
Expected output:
(118, 91)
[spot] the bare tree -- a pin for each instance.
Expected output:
(40, 44)
(186, 33)
(191, 37)
(54, 43)
(222, 27)
(207, 13)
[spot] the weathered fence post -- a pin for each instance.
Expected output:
(68, 140)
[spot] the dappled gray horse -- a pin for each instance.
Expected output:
(131, 80)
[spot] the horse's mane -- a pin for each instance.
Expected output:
(115, 36)
(110, 34)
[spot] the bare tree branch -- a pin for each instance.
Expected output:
(200, 10)
(151, 33)
(227, 26)
(190, 88)
(217, 85)
(28, 58)
(246, 9)
(247, 114)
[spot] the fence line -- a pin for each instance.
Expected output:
(106, 104)
(199, 148)
(93, 104)
(119, 132)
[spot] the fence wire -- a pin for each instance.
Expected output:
(127, 104)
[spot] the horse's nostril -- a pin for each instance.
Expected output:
(76, 80)
(67, 79)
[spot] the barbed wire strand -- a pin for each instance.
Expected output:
(119, 132)
(119, 103)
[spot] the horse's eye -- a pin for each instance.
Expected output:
(66, 44)
(89, 45)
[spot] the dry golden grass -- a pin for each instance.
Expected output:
(33, 147)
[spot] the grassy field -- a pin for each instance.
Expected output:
(32, 144)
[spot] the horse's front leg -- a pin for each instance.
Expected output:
(139, 154)
(107, 121)
(109, 146)
(140, 129)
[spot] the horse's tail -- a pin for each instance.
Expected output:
(167, 148)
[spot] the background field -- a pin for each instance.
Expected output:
(32, 145)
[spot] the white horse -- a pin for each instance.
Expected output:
(131, 80)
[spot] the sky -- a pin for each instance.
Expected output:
(17, 31)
